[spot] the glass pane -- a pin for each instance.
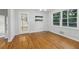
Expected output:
(64, 24)
(56, 15)
(72, 13)
(72, 19)
(55, 20)
(74, 10)
(64, 14)
(56, 23)
(64, 20)
(73, 24)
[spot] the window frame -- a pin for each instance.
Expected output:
(75, 22)
(56, 21)
(65, 18)
(68, 23)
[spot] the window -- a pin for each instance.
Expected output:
(56, 18)
(72, 17)
(69, 18)
(64, 18)
(3, 24)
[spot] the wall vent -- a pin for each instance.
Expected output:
(61, 32)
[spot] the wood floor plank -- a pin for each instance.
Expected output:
(41, 40)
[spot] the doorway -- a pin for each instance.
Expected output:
(23, 23)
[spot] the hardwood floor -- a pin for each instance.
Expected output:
(42, 40)
(3, 43)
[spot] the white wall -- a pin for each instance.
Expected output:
(45, 25)
(69, 32)
(33, 26)
(14, 21)
(11, 24)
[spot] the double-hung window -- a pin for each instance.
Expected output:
(69, 18)
(72, 17)
(56, 18)
(64, 18)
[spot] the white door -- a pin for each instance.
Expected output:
(23, 24)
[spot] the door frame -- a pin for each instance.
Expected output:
(20, 13)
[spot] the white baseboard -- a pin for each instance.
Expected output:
(66, 36)
(11, 38)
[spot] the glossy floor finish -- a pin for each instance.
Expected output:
(3, 43)
(41, 40)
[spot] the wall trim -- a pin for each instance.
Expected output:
(11, 38)
(65, 36)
